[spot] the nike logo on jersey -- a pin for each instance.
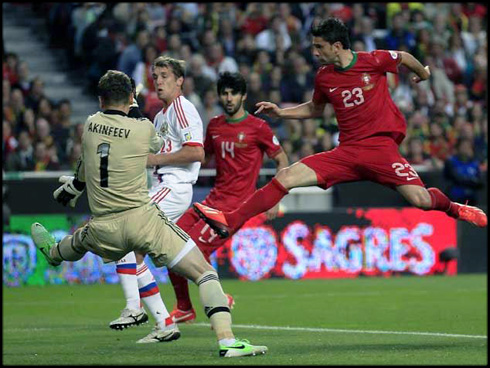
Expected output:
(333, 89)
(215, 136)
(408, 179)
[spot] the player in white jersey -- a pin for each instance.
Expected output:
(176, 168)
(112, 166)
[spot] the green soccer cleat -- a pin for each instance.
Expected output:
(44, 242)
(241, 348)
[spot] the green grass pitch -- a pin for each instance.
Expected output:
(367, 321)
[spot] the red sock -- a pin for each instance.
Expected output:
(181, 289)
(440, 202)
(262, 200)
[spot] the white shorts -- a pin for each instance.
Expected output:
(172, 198)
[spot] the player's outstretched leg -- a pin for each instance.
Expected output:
(225, 224)
(68, 249)
(194, 266)
(434, 199)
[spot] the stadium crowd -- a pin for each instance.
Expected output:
(269, 44)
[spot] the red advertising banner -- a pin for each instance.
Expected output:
(351, 243)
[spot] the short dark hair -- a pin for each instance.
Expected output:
(235, 81)
(332, 30)
(177, 66)
(114, 88)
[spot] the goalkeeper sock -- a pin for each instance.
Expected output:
(65, 250)
(261, 201)
(440, 202)
(150, 295)
(215, 304)
(126, 270)
(181, 289)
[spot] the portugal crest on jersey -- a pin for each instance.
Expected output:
(366, 79)
(241, 138)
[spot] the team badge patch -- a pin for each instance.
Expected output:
(366, 79)
(241, 138)
(275, 140)
(164, 128)
(394, 55)
(187, 136)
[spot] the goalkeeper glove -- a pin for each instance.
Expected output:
(68, 193)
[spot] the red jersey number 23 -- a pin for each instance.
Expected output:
(354, 97)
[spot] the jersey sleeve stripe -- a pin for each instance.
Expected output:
(180, 114)
(193, 144)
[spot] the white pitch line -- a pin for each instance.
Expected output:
(311, 329)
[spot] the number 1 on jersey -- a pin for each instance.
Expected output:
(103, 149)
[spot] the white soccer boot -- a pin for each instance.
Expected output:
(169, 333)
(129, 317)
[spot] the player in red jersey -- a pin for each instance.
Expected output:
(238, 141)
(371, 128)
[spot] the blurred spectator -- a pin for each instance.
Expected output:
(438, 146)
(211, 107)
(218, 62)
(399, 37)
(44, 158)
(36, 93)
(297, 80)
(60, 129)
(9, 67)
(23, 82)
(463, 173)
(9, 143)
(227, 37)
(255, 92)
(274, 38)
(73, 156)
(366, 35)
(197, 69)
(253, 21)
(143, 70)
(133, 53)
(416, 154)
(23, 157)
(17, 107)
(189, 91)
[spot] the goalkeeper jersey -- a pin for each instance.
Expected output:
(115, 149)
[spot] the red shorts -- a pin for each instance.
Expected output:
(375, 159)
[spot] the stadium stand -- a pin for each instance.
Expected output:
(267, 42)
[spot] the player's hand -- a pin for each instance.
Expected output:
(417, 79)
(67, 193)
(272, 213)
(268, 108)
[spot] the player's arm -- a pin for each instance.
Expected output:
(187, 155)
(305, 110)
(422, 73)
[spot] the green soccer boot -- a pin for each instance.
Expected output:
(44, 242)
(241, 348)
